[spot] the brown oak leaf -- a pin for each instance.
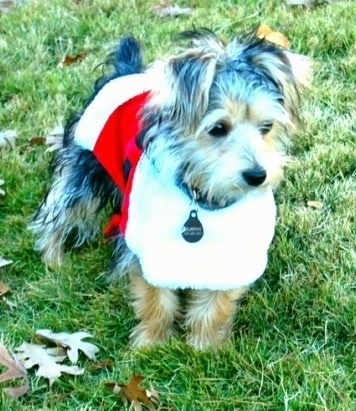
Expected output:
(315, 204)
(69, 60)
(32, 354)
(36, 141)
(272, 36)
(15, 370)
(97, 366)
(4, 288)
(131, 394)
(72, 342)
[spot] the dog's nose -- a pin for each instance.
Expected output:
(254, 176)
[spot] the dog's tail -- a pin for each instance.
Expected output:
(126, 59)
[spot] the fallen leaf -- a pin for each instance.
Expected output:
(8, 138)
(4, 288)
(69, 60)
(6, 6)
(315, 204)
(72, 342)
(165, 9)
(101, 365)
(2, 192)
(15, 370)
(4, 262)
(57, 351)
(132, 394)
(265, 32)
(37, 141)
(308, 3)
(55, 138)
(34, 141)
(32, 354)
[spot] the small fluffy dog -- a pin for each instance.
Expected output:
(186, 153)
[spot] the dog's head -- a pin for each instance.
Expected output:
(223, 115)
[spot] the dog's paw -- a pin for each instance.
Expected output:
(207, 340)
(142, 337)
(202, 343)
(53, 256)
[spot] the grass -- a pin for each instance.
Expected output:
(294, 340)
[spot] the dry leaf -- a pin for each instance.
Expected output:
(37, 141)
(165, 9)
(55, 138)
(315, 204)
(4, 288)
(132, 394)
(57, 351)
(34, 141)
(265, 32)
(15, 370)
(4, 262)
(69, 60)
(8, 138)
(2, 192)
(6, 6)
(32, 354)
(72, 342)
(306, 3)
(101, 365)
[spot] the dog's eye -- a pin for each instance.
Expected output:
(265, 128)
(219, 130)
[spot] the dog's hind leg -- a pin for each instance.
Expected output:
(81, 188)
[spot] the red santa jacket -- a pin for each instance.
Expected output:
(109, 127)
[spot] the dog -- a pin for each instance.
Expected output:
(186, 153)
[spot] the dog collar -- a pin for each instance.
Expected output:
(202, 201)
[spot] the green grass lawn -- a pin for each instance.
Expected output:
(294, 341)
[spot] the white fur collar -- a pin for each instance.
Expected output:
(232, 252)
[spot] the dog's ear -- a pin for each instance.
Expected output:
(284, 67)
(302, 68)
(190, 77)
(290, 72)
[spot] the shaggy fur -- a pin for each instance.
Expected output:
(217, 126)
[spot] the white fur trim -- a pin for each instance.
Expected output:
(232, 252)
(111, 96)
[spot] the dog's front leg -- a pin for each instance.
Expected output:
(155, 308)
(210, 315)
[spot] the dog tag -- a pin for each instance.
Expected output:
(192, 230)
